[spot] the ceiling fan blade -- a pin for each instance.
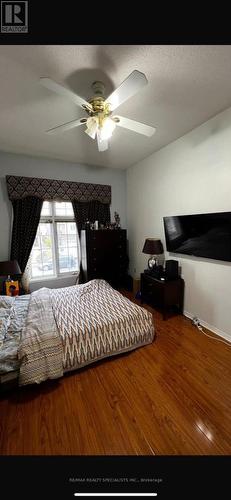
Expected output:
(138, 127)
(134, 82)
(67, 126)
(63, 91)
(102, 145)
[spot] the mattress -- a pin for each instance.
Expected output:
(53, 331)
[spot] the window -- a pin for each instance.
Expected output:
(56, 249)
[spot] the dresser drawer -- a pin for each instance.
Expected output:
(149, 284)
(104, 254)
(153, 292)
(162, 293)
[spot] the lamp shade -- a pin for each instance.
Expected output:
(153, 246)
(9, 267)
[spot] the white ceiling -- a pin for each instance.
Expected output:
(187, 85)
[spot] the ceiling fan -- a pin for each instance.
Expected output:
(100, 122)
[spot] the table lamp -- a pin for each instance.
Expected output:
(153, 247)
(9, 267)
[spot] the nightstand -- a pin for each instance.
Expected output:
(162, 293)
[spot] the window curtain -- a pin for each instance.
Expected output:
(92, 211)
(26, 216)
(53, 189)
(27, 195)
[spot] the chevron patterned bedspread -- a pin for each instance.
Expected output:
(96, 321)
(93, 321)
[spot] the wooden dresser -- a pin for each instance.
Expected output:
(104, 255)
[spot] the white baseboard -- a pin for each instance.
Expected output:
(213, 329)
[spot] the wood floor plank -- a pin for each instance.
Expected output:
(172, 397)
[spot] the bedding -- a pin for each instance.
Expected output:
(71, 327)
(13, 314)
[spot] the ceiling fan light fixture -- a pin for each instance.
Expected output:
(102, 126)
(106, 129)
(92, 126)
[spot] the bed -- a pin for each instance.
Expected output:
(53, 331)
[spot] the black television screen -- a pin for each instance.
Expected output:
(201, 235)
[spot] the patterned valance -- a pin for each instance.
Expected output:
(47, 189)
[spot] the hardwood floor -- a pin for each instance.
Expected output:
(172, 397)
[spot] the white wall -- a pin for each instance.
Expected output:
(12, 164)
(190, 175)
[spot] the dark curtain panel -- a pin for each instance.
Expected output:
(81, 210)
(92, 211)
(99, 211)
(26, 213)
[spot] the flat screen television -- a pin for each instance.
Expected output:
(201, 235)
